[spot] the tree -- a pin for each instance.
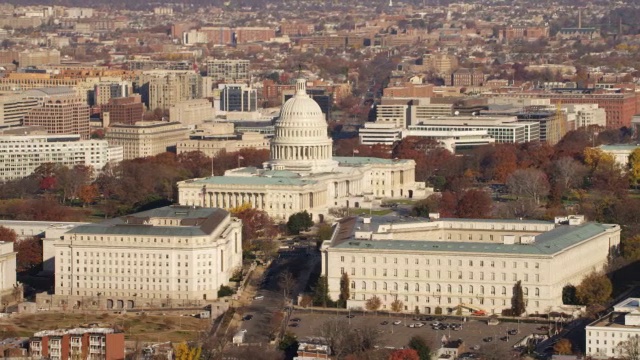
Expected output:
(419, 344)
(569, 295)
(87, 194)
(531, 183)
(321, 293)
(397, 306)
(300, 221)
(344, 290)
(343, 339)
(373, 303)
(595, 289)
(256, 224)
(29, 253)
(563, 347)
(8, 235)
(631, 248)
(287, 283)
(325, 231)
(517, 301)
(185, 352)
(634, 167)
(475, 204)
(404, 354)
(630, 349)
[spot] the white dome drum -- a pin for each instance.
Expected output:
(301, 142)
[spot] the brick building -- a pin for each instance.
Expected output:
(62, 114)
(125, 110)
(83, 343)
(467, 77)
(409, 90)
(296, 28)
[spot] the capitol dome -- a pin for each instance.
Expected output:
(301, 142)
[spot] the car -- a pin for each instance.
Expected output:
(419, 325)
(258, 297)
(512, 332)
(247, 317)
(504, 338)
(243, 330)
(295, 320)
(412, 325)
(397, 322)
(384, 323)
(351, 316)
(479, 313)
(488, 339)
(294, 325)
(475, 347)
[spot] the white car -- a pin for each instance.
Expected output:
(419, 325)
(397, 322)
(258, 297)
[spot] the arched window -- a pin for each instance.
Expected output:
(395, 286)
(525, 291)
(537, 292)
(470, 289)
(448, 289)
(364, 285)
(406, 287)
(481, 289)
(427, 288)
(493, 290)
(353, 284)
(504, 290)
(459, 289)
(417, 287)
(375, 285)
(384, 286)
(438, 288)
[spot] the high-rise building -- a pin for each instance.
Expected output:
(124, 110)
(13, 109)
(228, 70)
(78, 343)
(192, 112)
(162, 89)
(20, 155)
(144, 139)
(61, 115)
(104, 92)
(238, 97)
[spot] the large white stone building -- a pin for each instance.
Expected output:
(303, 174)
(468, 263)
(146, 138)
(7, 268)
(606, 336)
(170, 256)
(20, 155)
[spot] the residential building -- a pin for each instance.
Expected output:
(192, 112)
(238, 97)
(161, 89)
(103, 92)
(293, 28)
(20, 155)
(38, 57)
(606, 336)
(83, 343)
(302, 173)
(146, 138)
(585, 115)
(61, 115)
(122, 110)
(467, 77)
(13, 109)
(171, 255)
(7, 268)
(230, 71)
(466, 264)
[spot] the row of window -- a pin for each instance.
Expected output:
(439, 274)
(450, 262)
(438, 288)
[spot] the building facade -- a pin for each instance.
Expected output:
(7, 268)
(213, 145)
(13, 109)
(124, 110)
(232, 71)
(238, 97)
(192, 112)
(606, 337)
(146, 138)
(464, 263)
(78, 343)
(302, 173)
(20, 155)
(61, 115)
(173, 255)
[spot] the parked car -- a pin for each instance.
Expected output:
(397, 322)
(384, 323)
(258, 297)
(488, 339)
(247, 317)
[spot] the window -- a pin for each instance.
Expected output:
(353, 284)
(504, 290)
(384, 286)
(341, 258)
(470, 289)
(537, 293)
(353, 271)
(364, 285)
(417, 287)
(406, 287)
(395, 286)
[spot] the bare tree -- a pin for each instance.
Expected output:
(287, 283)
(567, 172)
(630, 349)
(531, 183)
(346, 340)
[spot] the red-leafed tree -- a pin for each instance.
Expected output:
(8, 235)
(29, 253)
(404, 354)
(475, 203)
(256, 223)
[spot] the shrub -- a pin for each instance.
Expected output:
(225, 291)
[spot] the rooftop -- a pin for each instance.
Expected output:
(546, 243)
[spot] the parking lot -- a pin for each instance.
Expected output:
(474, 333)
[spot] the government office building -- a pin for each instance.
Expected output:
(471, 264)
(169, 256)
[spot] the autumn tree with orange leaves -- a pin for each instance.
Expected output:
(404, 354)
